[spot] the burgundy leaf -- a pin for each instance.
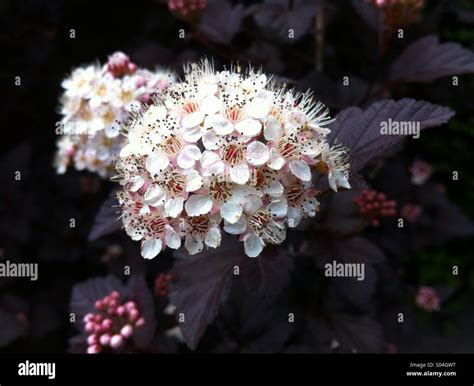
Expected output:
(354, 292)
(360, 130)
(267, 274)
(369, 13)
(441, 220)
(427, 59)
(353, 250)
(201, 285)
(279, 16)
(341, 214)
(12, 328)
(221, 21)
(359, 334)
(138, 290)
(107, 219)
(85, 294)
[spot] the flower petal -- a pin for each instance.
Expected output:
(276, 161)
(278, 208)
(261, 104)
(137, 183)
(272, 130)
(192, 120)
(238, 228)
(154, 195)
(155, 164)
(193, 181)
(151, 248)
(240, 174)
(198, 204)
(210, 104)
(211, 163)
(172, 238)
(219, 124)
(191, 134)
(174, 206)
(253, 245)
(249, 127)
(301, 170)
(188, 156)
(213, 237)
(275, 189)
(193, 245)
(257, 153)
(210, 140)
(231, 212)
(294, 216)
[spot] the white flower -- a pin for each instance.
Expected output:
(201, 230)
(81, 82)
(224, 151)
(335, 160)
(95, 103)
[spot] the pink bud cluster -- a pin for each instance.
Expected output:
(427, 299)
(112, 325)
(119, 64)
(374, 205)
(185, 7)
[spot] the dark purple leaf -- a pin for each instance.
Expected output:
(107, 219)
(138, 290)
(266, 55)
(12, 328)
(369, 13)
(85, 294)
(441, 220)
(352, 250)
(360, 130)
(201, 285)
(254, 322)
(221, 21)
(341, 214)
(271, 332)
(357, 334)
(278, 16)
(356, 292)
(353, 292)
(266, 275)
(335, 94)
(427, 59)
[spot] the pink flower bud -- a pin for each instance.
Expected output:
(116, 341)
(126, 331)
(106, 324)
(105, 340)
(93, 349)
(140, 322)
(133, 314)
(120, 310)
(90, 327)
(92, 339)
(99, 304)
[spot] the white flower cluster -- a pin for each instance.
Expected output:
(224, 151)
(95, 101)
